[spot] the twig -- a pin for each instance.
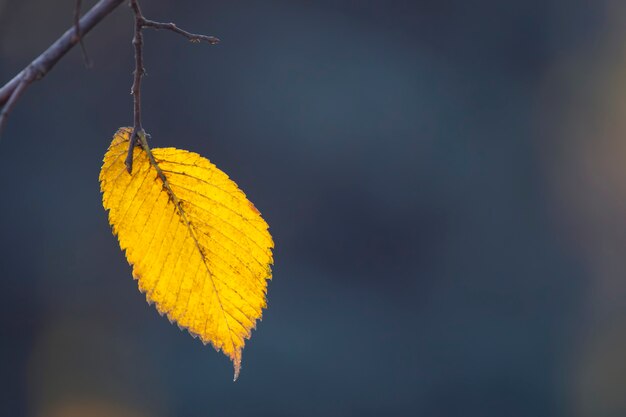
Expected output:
(136, 88)
(79, 35)
(140, 23)
(40, 66)
(47, 60)
(192, 37)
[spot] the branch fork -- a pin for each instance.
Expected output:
(11, 92)
(140, 23)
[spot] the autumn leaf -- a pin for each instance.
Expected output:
(199, 249)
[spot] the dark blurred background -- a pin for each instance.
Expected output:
(445, 181)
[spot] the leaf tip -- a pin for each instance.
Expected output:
(237, 366)
(236, 358)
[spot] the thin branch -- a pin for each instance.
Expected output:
(192, 37)
(140, 23)
(47, 60)
(11, 92)
(79, 35)
(136, 88)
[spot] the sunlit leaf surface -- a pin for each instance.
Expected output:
(199, 249)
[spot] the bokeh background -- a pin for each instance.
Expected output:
(445, 182)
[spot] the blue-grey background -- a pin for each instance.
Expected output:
(445, 182)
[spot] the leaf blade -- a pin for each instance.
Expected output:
(200, 250)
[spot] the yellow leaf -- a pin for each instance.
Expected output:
(199, 249)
